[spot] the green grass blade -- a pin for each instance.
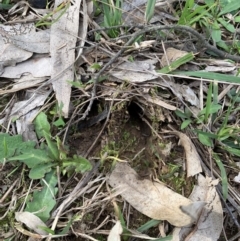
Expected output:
(175, 64)
(210, 76)
(148, 225)
(208, 103)
(149, 10)
(223, 176)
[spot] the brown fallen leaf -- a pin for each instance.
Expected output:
(171, 55)
(209, 224)
(153, 199)
(193, 160)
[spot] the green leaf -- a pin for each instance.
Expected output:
(149, 10)
(212, 109)
(78, 163)
(208, 103)
(44, 200)
(233, 151)
(181, 114)
(32, 157)
(231, 6)
(210, 75)
(59, 122)
(227, 25)
(148, 225)
(175, 64)
(185, 124)
(216, 35)
(223, 176)
(39, 171)
(237, 19)
(205, 140)
(11, 146)
(42, 127)
(223, 45)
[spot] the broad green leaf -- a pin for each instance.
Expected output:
(227, 25)
(210, 75)
(212, 109)
(11, 146)
(216, 35)
(223, 45)
(149, 10)
(205, 140)
(209, 2)
(44, 200)
(42, 125)
(181, 114)
(32, 157)
(185, 124)
(79, 164)
(237, 19)
(59, 122)
(231, 6)
(39, 171)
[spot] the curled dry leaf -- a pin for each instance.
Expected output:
(151, 198)
(31, 221)
(209, 224)
(115, 232)
(192, 158)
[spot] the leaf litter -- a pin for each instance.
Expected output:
(126, 83)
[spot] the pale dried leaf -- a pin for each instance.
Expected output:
(193, 160)
(38, 67)
(23, 107)
(157, 101)
(171, 55)
(237, 178)
(218, 62)
(209, 224)
(10, 54)
(62, 43)
(115, 232)
(25, 37)
(220, 69)
(31, 221)
(136, 72)
(151, 198)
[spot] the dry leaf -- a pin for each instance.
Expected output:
(31, 221)
(151, 198)
(115, 232)
(38, 67)
(62, 48)
(136, 72)
(25, 37)
(171, 55)
(193, 160)
(209, 224)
